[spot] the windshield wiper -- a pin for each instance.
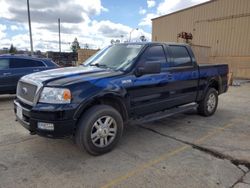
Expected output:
(100, 65)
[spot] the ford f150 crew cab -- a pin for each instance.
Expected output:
(121, 83)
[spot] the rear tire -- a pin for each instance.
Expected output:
(208, 105)
(99, 129)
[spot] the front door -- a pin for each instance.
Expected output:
(147, 91)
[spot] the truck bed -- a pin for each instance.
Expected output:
(217, 71)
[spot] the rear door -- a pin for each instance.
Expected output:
(6, 84)
(184, 73)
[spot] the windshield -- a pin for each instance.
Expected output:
(118, 57)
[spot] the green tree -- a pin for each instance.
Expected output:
(12, 49)
(143, 38)
(75, 45)
(112, 41)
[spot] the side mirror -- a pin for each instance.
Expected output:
(148, 68)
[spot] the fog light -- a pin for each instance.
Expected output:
(45, 126)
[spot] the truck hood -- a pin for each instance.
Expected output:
(70, 75)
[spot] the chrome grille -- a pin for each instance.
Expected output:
(26, 92)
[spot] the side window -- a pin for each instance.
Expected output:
(39, 64)
(24, 63)
(4, 64)
(154, 53)
(181, 56)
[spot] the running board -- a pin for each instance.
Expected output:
(165, 114)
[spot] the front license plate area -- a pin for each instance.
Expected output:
(19, 112)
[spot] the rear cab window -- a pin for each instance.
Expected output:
(180, 56)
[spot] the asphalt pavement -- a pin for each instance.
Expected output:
(185, 150)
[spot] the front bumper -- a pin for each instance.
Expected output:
(58, 115)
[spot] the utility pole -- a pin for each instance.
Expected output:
(31, 41)
(59, 33)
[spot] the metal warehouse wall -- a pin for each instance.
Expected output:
(223, 25)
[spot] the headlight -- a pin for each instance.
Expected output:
(55, 95)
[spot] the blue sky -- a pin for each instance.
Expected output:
(94, 22)
(128, 12)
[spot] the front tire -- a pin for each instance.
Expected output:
(208, 105)
(99, 129)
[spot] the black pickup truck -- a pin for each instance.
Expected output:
(121, 83)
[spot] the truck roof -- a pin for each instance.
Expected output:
(149, 43)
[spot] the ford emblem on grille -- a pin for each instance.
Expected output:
(24, 90)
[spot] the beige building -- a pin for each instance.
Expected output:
(220, 30)
(84, 54)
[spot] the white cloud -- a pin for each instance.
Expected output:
(2, 31)
(142, 11)
(163, 8)
(93, 6)
(4, 9)
(21, 41)
(146, 21)
(75, 22)
(151, 3)
(199, 1)
(17, 10)
(168, 6)
(96, 34)
(137, 33)
(14, 28)
(5, 43)
(110, 29)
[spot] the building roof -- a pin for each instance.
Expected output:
(202, 4)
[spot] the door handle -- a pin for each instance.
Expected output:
(35, 70)
(6, 73)
(170, 76)
(193, 74)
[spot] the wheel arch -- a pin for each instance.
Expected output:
(114, 100)
(214, 82)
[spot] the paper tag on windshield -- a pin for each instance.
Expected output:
(133, 46)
